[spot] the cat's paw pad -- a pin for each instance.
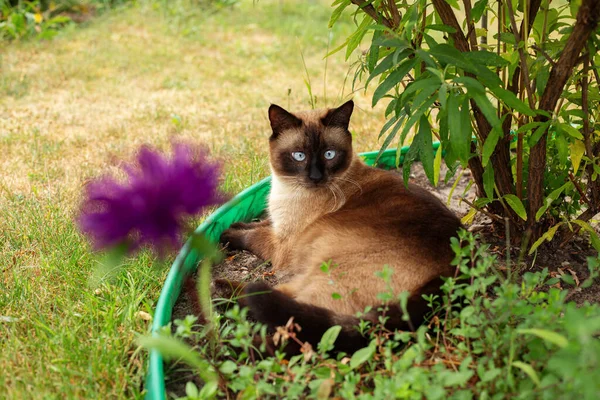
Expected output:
(233, 239)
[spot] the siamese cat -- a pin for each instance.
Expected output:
(327, 206)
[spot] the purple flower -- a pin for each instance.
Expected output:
(149, 209)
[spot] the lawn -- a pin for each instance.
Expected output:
(74, 107)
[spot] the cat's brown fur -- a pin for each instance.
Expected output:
(341, 211)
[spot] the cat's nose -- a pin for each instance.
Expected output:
(315, 175)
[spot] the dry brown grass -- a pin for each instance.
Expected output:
(94, 96)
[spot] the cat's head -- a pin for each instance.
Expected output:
(311, 148)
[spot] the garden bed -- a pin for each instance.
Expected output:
(243, 266)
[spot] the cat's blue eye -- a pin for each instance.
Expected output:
(299, 156)
(329, 154)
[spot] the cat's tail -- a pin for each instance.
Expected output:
(274, 309)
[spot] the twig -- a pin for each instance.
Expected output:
(586, 129)
(492, 216)
(484, 25)
(396, 17)
(595, 70)
(543, 52)
(471, 25)
(370, 11)
(521, 37)
(448, 18)
(581, 192)
(584, 216)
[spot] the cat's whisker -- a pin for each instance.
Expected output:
(333, 208)
(342, 196)
(352, 181)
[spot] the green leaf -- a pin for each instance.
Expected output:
(441, 28)
(488, 181)
(528, 369)
(577, 150)
(431, 83)
(393, 79)
(460, 137)
(209, 390)
(173, 349)
(548, 200)
(425, 57)
(488, 110)
(574, 7)
(529, 127)
(541, 129)
(227, 367)
(569, 130)
(410, 156)
(548, 235)
(443, 95)
(593, 234)
(355, 39)
(191, 391)
(471, 84)
(373, 54)
(489, 146)
(425, 145)
(387, 126)
(484, 57)
(509, 98)
(335, 15)
(416, 115)
(328, 339)
(388, 62)
(449, 55)
(361, 356)
(478, 9)
(562, 148)
(389, 138)
(506, 37)
(541, 79)
(464, 136)
(515, 203)
(549, 336)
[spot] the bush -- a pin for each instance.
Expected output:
(520, 77)
(43, 19)
(512, 339)
(21, 19)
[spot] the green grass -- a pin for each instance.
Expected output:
(71, 108)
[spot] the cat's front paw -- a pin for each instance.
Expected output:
(234, 239)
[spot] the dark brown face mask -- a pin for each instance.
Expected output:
(310, 149)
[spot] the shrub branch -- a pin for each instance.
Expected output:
(501, 156)
(586, 21)
(370, 11)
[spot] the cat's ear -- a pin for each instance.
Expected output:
(339, 116)
(282, 120)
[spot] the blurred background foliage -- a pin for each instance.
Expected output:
(21, 19)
